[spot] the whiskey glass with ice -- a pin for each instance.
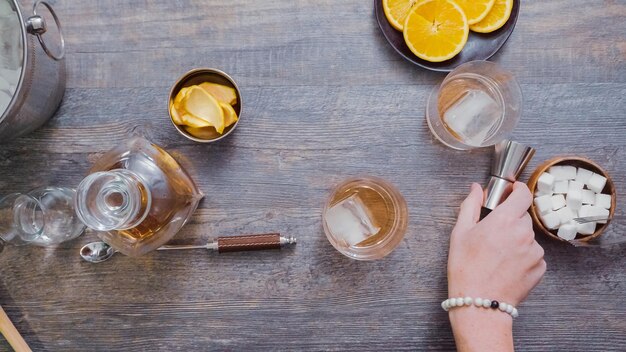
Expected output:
(365, 218)
(477, 105)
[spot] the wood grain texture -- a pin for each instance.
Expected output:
(325, 98)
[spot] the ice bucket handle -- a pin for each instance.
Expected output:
(37, 26)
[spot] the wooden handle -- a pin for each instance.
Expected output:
(11, 334)
(248, 243)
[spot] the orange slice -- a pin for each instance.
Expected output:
(396, 11)
(496, 18)
(436, 30)
(475, 10)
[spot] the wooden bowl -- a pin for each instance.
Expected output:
(577, 162)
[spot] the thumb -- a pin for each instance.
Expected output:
(470, 208)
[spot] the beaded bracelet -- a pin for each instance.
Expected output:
(479, 302)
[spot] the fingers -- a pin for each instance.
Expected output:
(470, 208)
(518, 202)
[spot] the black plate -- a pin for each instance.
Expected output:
(479, 46)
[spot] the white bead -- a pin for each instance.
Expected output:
(444, 305)
(486, 303)
(514, 313)
(509, 309)
(460, 302)
(502, 307)
(452, 302)
(478, 302)
(468, 301)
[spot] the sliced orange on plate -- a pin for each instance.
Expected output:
(496, 18)
(396, 11)
(475, 10)
(436, 30)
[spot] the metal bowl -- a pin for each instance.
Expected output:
(201, 75)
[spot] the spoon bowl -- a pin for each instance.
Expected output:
(97, 252)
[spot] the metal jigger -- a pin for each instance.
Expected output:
(510, 159)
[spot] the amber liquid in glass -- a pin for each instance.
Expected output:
(378, 208)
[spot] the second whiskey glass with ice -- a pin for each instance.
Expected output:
(477, 105)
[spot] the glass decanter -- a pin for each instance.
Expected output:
(137, 196)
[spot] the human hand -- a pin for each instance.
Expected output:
(498, 257)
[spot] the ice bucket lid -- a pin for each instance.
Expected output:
(12, 39)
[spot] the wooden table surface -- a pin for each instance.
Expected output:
(326, 98)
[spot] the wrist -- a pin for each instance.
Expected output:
(479, 329)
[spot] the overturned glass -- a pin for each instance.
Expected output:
(44, 217)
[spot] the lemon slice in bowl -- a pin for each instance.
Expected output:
(476, 10)
(396, 11)
(222, 93)
(436, 30)
(496, 18)
(198, 103)
(230, 115)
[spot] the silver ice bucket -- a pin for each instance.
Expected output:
(32, 76)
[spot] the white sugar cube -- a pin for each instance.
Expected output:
(603, 201)
(567, 231)
(596, 183)
(584, 210)
(551, 220)
(538, 193)
(563, 172)
(593, 211)
(558, 201)
(575, 185)
(545, 183)
(589, 197)
(575, 199)
(583, 175)
(561, 186)
(565, 215)
(600, 212)
(586, 228)
(544, 203)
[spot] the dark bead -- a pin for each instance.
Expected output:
(495, 304)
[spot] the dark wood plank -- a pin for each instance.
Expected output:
(325, 98)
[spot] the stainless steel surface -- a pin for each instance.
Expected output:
(97, 252)
(587, 219)
(41, 28)
(496, 192)
(36, 25)
(510, 159)
(208, 72)
(42, 82)
(286, 241)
